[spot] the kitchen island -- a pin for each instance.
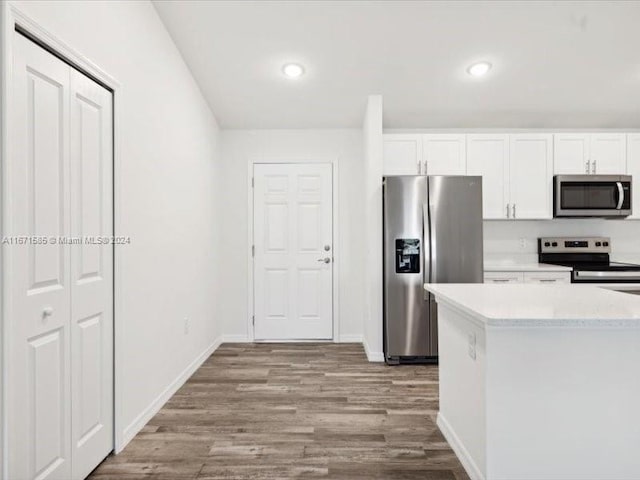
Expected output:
(540, 381)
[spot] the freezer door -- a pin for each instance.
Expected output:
(455, 229)
(406, 258)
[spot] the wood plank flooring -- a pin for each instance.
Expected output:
(279, 411)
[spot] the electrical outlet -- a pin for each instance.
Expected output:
(472, 345)
(186, 326)
(523, 243)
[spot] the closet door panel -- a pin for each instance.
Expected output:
(91, 274)
(38, 264)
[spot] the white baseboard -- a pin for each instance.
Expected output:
(154, 407)
(235, 339)
(350, 339)
(372, 356)
(456, 445)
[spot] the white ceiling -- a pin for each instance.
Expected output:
(556, 64)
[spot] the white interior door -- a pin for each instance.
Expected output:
(293, 241)
(40, 286)
(91, 274)
(60, 393)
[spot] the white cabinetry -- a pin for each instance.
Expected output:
(589, 153)
(571, 154)
(444, 154)
(527, 277)
(531, 176)
(402, 154)
(488, 156)
(517, 172)
(547, 277)
(633, 169)
(608, 153)
(503, 277)
(429, 154)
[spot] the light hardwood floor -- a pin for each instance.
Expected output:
(278, 411)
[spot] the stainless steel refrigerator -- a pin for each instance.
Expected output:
(432, 234)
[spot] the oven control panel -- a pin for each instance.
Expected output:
(574, 245)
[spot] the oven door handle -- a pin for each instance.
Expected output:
(620, 195)
(604, 275)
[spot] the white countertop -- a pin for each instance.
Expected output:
(523, 267)
(533, 305)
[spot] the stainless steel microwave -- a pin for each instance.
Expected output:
(592, 196)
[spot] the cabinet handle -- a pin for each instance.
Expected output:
(425, 167)
(586, 166)
(513, 207)
(500, 280)
(508, 211)
(548, 280)
(593, 167)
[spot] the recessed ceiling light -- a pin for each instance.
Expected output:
(479, 69)
(293, 70)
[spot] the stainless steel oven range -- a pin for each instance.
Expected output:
(590, 259)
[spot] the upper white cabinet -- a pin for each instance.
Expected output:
(488, 156)
(633, 169)
(444, 154)
(571, 154)
(402, 154)
(429, 154)
(608, 153)
(589, 153)
(517, 174)
(531, 176)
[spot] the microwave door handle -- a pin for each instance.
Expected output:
(620, 195)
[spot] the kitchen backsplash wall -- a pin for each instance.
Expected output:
(516, 241)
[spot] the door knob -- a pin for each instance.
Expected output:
(47, 312)
(325, 260)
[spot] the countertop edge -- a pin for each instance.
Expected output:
(488, 321)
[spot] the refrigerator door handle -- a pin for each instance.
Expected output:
(426, 248)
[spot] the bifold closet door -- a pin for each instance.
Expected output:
(91, 274)
(38, 275)
(59, 302)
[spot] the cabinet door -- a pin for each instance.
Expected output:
(444, 154)
(633, 169)
(488, 156)
(608, 153)
(503, 277)
(402, 154)
(531, 176)
(547, 277)
(571, 154)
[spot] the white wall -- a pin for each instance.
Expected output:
(373, 151)
(241, 146)
(502, 238)
(168, 184)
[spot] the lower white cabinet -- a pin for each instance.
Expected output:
(527, 277)
(547, 277)
(503, 277)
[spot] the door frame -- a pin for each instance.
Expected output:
(12, 19)
(333, 162)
